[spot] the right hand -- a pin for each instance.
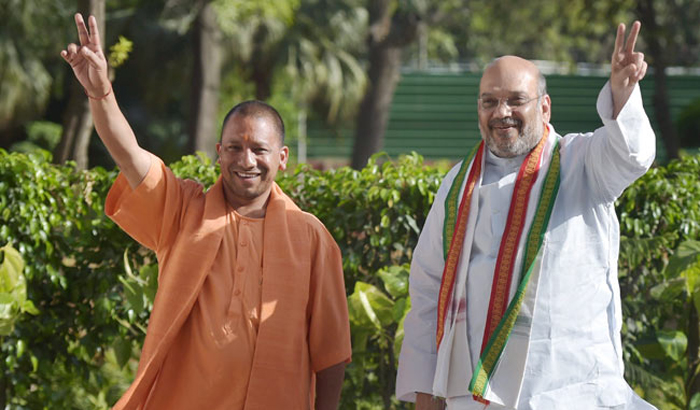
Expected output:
(87, 60)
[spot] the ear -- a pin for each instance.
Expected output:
(218, 152)
(284, 157)
(546, 107)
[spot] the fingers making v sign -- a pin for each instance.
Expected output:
(627, 66)
(87, 59)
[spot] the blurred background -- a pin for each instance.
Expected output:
(350, 77)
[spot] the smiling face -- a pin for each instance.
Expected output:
(250, 154)
(512, 114)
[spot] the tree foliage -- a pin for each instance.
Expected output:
(26, 71)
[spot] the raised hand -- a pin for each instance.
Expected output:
(627, 66)
(88, 61)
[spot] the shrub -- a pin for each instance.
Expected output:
(658, 213)
(93, 286)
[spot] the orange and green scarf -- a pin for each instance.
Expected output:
(501, 315)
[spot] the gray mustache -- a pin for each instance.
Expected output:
(507, 122)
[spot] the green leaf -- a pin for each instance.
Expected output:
(369, 309)
(371, 306)
(650, 349)
(398, 336)
(8, 313)
(412, 223)
(669, 290)
(10, 269)
(134, 297)
(673, 342)
(127, 265)
(122, 351)
(35, 363)
(149, 273)
(28, 307)
(385, 222)
(395, 280)
(686, 255)
(692, 277)
(694, 402)
(400, 309)
(119, 52)
(696, 301)
(359, 339)
(21, 348)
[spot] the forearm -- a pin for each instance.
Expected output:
(90, 67)
(329, 383)
(629, 137)
(119, 139)
(426, 401)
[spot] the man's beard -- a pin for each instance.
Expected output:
(527, 138)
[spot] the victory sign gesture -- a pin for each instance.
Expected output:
(88, 61)
(92, 71)
(627, 66)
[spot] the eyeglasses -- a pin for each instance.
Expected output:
(513, 103)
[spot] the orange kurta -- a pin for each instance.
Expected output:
(303, 324)
(212, 355)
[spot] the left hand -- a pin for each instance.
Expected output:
(627, 66)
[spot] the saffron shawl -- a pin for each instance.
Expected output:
(292, 237)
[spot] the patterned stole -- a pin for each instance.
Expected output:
(501, 315)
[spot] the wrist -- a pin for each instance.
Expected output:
(99, 97)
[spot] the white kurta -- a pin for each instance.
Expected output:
(574, 360)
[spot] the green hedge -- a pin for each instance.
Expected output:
(660, 283)
(93, 286)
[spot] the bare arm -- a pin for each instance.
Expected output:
(90, 68)
(329, 382)
(627, 67)
(426, 401)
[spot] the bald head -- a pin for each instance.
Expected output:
(514, 107)
(513, 71)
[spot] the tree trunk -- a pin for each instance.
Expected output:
(261, 64)
(389, 33)
(262, 78)
(206, 78)
(663, 113)
(77, 121)
(373, 117)
(662, 110)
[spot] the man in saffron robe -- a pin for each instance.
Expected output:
(514, 291)
(251, 310)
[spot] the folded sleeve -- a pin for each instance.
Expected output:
(329, 325)
(623, 149)
(151, 212)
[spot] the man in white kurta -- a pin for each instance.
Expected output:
(564, 350)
